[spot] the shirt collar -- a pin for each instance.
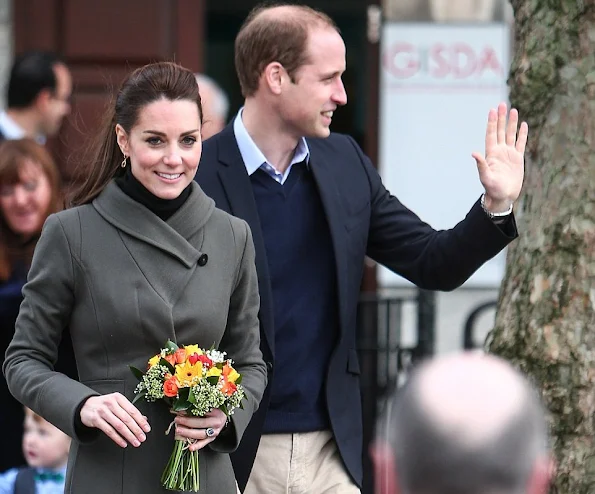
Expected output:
(252, 156)
(12, 130)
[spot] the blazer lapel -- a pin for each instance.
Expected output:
(331, 203)
(238, 192)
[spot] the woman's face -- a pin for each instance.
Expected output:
(164, 146)
(25, 204)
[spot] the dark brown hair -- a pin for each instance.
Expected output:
(266, 38)
(161, 80)
(14, 154)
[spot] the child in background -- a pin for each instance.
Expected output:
(46, 450)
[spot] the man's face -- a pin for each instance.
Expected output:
(308, 103)
(58, 103)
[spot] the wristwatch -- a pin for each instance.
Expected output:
(494, 216)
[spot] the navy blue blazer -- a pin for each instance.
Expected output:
(364, 219)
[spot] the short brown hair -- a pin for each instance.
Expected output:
(266, 38)
(13, 155)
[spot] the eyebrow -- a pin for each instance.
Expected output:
(336, 73)
(162, 134)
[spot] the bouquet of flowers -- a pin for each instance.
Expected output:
(194, 381)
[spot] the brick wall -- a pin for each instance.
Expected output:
(6, 44)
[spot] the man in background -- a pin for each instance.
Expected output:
(38, 97)
(465, 424)
(215, 106)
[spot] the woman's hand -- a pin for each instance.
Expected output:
(199, 428)
(119, 419)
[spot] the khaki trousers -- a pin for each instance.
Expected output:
(301, 463)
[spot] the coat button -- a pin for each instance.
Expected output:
(269, 366)
(202, 260)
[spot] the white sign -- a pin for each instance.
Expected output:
(438, 82)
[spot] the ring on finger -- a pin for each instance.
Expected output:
(210, 432)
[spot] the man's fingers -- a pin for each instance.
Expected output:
(491, 130)
(501, 125)
(521, 141)
(482, 165)
(511, 128)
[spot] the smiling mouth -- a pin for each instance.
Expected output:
(169, 176)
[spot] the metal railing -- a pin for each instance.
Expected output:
(384, 358)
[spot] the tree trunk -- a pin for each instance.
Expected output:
(546, 315)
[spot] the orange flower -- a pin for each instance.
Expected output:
(180, 356)
(170, 387)
(171, 359)
(228, 388)
(230, 373)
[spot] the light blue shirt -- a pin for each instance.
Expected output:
(253, 157)
(8, 478)
(11, 130)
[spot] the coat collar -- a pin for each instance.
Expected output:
(170, 236)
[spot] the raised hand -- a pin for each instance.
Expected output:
(502, 169)
(119, 419)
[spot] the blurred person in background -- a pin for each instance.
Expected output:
(29, 193)
(463, 424)
(37, 98)
(46, 449)
(215, 104)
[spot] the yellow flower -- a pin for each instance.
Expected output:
(154, 360)
(233, 376)
(187, 374)
(214, 371)
(192, 349)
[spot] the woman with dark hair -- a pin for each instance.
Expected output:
(142, 257)
(29, 193)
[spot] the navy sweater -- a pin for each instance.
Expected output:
(303, 280)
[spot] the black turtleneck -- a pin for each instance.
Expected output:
(164, 208)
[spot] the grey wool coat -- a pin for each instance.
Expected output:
(124, 281)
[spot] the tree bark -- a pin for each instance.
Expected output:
(546, 313)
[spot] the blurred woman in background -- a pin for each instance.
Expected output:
(29, 193)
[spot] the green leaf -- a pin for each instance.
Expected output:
(139, 396)
(183, 393)
(137, 373)
(165, 363)
(171, 347)
(181, 405)
(213, 380)
(239, 380)
(192, 398)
